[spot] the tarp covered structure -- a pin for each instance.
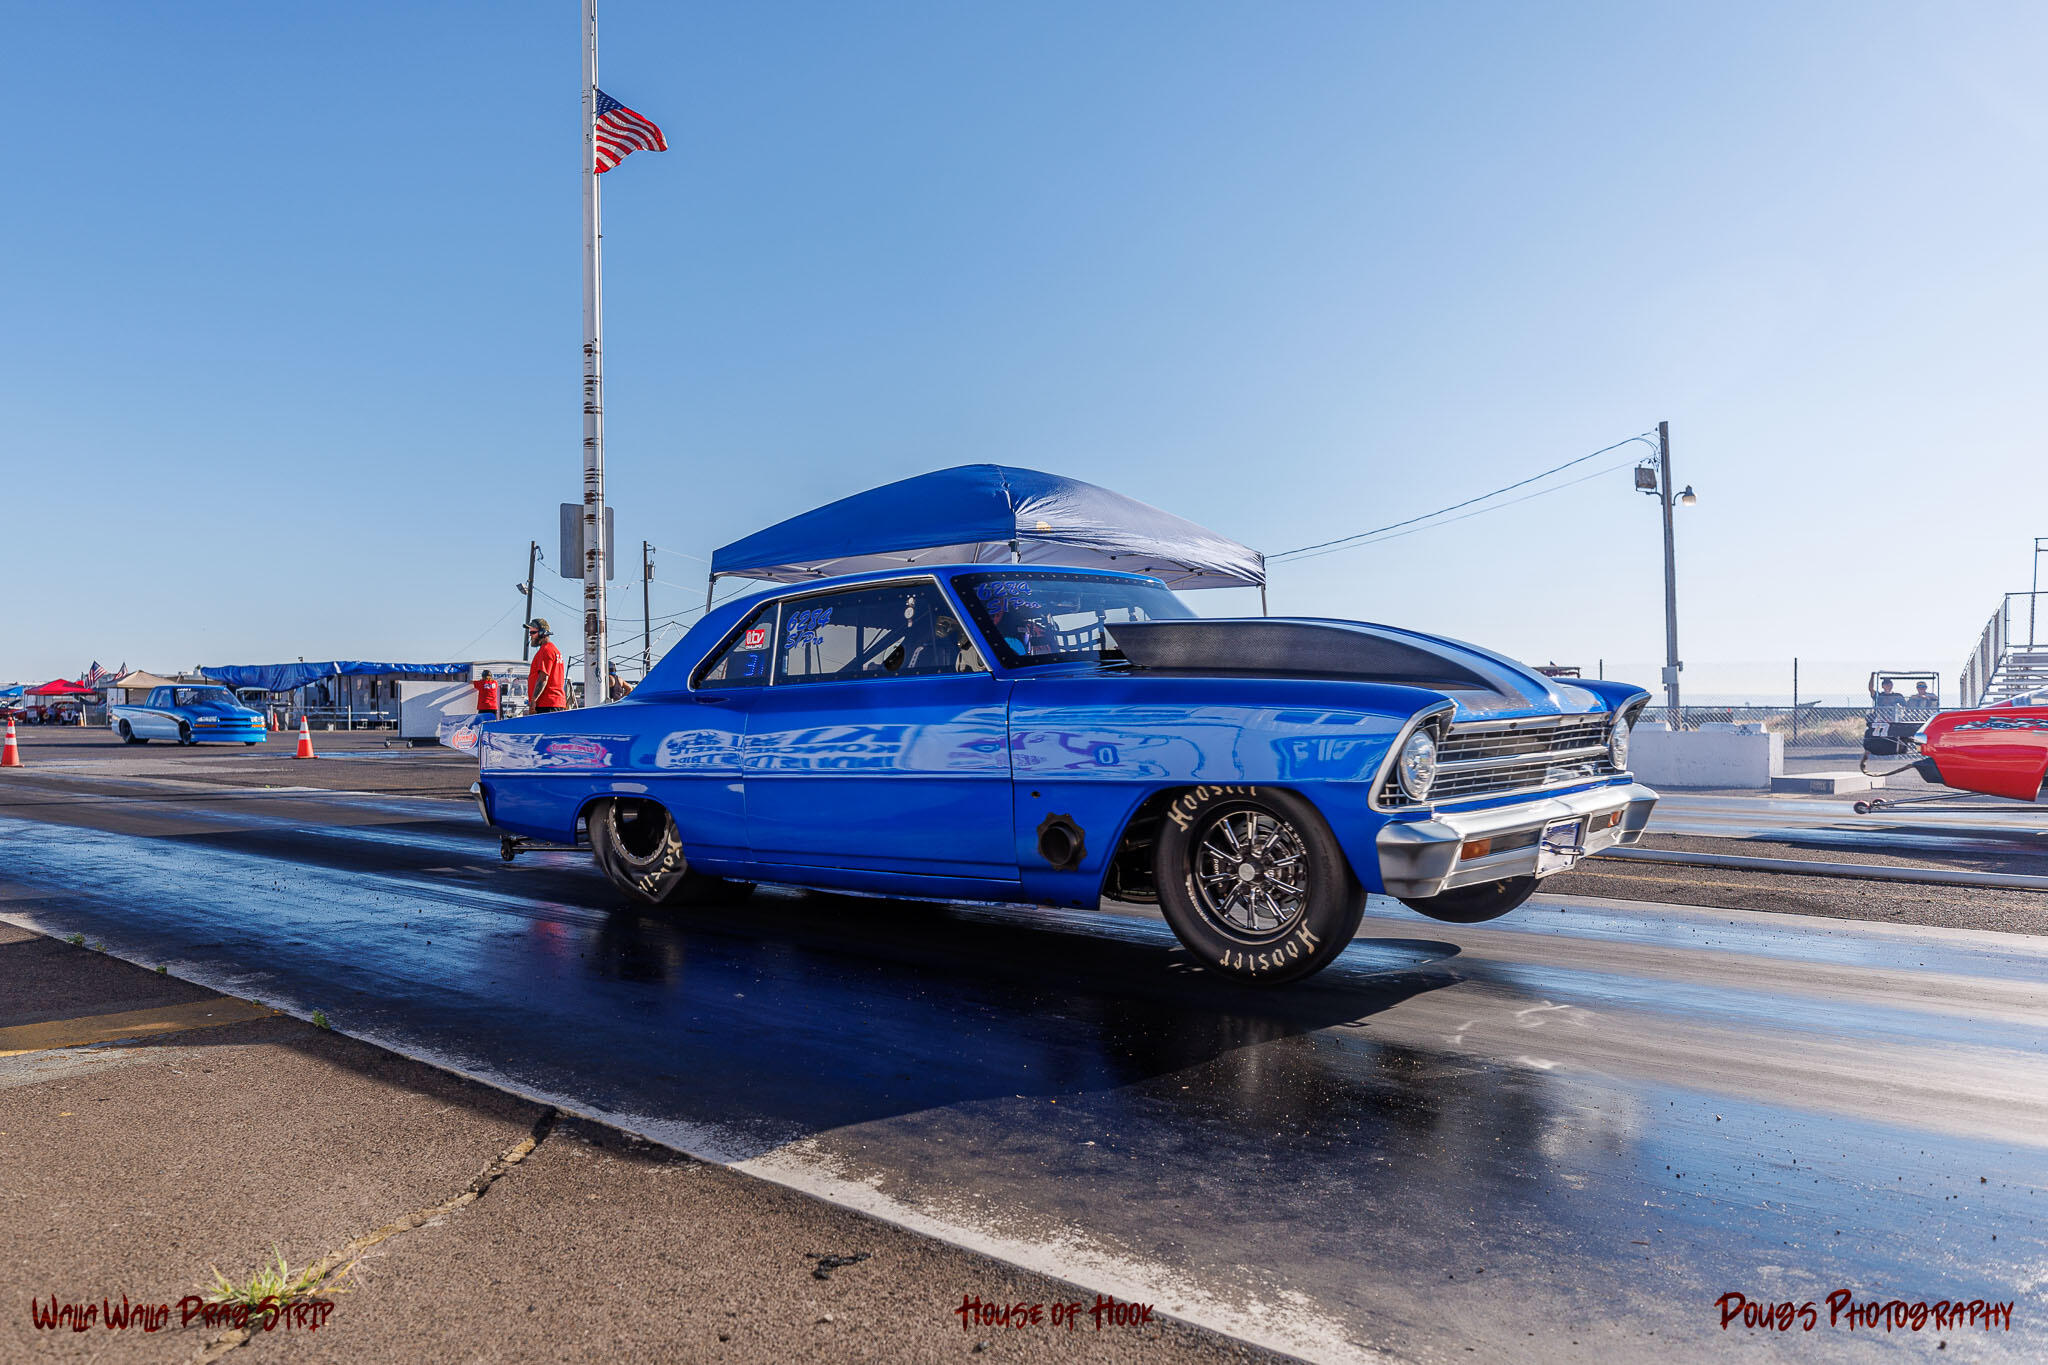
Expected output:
(991, 514)
(61, 687)
(141, 680)
(285, 677)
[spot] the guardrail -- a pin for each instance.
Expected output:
(350, 718)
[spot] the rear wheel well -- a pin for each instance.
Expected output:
(627, 805)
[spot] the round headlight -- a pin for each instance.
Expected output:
(1418, 765)
(1617, 745)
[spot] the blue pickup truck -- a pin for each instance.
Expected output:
(188, 715)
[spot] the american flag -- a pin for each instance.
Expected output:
(95, 675)
(621, 132)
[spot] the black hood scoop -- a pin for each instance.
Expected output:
(1316, 649)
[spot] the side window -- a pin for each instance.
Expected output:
(161, 697)
(898, 630)
(744, 663)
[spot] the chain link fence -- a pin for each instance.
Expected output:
(1804, 727)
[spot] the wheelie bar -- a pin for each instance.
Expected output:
(511, 846)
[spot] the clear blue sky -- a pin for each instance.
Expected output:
(290, 362)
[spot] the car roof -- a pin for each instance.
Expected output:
(672, 671)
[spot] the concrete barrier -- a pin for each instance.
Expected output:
(1715, 755)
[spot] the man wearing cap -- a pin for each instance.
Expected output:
(547, 685)
(486, 695)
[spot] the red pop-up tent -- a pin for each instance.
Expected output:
(61, 687)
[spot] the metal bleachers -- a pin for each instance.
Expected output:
(2009, 660)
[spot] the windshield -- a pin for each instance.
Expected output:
(1048, 618)
(202, 696)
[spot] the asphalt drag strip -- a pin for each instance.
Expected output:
(1564, 1134)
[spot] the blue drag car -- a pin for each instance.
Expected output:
(1055, 736)
(189, 715)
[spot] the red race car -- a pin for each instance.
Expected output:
(1998, 750)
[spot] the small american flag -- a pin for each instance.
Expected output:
(95, 675)
(621, 132)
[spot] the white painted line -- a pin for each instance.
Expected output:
(1874, 872)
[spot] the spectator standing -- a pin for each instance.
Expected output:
(486, 696)
(547, 682)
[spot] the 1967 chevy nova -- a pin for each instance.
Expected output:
(1056, 736)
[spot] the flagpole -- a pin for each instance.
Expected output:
(593, 383)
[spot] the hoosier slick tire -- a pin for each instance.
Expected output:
(1253, 882)
(638, 850)
(1474, 904)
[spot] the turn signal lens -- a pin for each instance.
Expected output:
(1476, 848)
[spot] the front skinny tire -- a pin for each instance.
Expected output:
(1474, 904)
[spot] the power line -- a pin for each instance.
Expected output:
(1480, 511)
(456, 654)
(565, 606)
(1342, 542)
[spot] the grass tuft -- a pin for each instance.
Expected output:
(320, 1019)
(163, 971)
(75, 940)
(276, 1281)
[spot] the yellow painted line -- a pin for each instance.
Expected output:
(106, 1028)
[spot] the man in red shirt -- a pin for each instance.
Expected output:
(486, 695)
(547, 686)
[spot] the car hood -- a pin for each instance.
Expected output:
(1483, 684)
(222, 709)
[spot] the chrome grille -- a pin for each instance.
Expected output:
(1567, 732)
(1487, 758)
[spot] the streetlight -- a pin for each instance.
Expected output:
(1654, 478)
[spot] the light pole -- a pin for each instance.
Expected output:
(1654, 478)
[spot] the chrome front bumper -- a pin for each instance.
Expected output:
(1422, 858)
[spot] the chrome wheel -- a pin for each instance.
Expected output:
(1251, 874)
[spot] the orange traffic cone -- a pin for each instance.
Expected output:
(305, 740)
(10, 756)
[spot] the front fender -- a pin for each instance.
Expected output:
(1088, 752)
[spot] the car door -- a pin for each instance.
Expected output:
(882, 745)
(157, 722)
(694, 757)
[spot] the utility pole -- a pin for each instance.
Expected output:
(1671, 663)
(594, 547)
(646, 613)
(525, 636)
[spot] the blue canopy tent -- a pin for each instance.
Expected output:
(286, 677)
(991, 514)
